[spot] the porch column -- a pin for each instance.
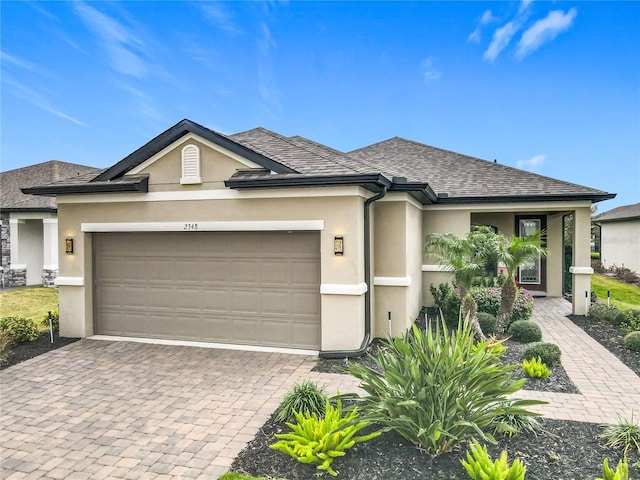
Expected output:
(581, 269)
(50, 250)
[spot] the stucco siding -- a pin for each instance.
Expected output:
(621, 244)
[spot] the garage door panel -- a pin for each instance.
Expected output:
(231, 287)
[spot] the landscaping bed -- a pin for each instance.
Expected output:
(610, 337)
(564, 450)
(24, 351)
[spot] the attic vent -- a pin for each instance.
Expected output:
(190, 165)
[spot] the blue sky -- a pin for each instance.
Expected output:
(550, 87)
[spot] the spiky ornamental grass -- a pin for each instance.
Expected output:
(304, 397)
(624, 435)
(438, 389)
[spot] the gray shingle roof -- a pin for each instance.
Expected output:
(625, 212)
(299, 153)
(460, 175)
(11, 181)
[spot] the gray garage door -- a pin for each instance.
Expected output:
(230, 287)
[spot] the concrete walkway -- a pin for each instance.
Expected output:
(609, 390)
(123, 410)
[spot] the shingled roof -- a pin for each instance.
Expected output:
(461, 177)
(11, 181)
(625, 212)
(427, 173)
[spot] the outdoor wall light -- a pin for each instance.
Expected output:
(68, 245)
(338, 245)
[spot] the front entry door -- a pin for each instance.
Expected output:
(533, 274)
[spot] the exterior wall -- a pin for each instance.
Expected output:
(397, 265)
(505, 222)
(621, 244)
(342, 277)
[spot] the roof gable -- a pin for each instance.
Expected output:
(171, 135)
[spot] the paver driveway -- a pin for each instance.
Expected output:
(98, 409)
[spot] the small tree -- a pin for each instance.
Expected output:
(513, 252)
(465, 257)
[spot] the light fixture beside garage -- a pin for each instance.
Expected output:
(338, 245)
(68, 245)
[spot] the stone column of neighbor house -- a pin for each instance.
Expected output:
(581, 269)
(17, 271)
(50, 253)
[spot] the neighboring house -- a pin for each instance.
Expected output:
(30, 223)
(262, 240)
(620, 237)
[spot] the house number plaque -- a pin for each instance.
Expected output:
(191, 227)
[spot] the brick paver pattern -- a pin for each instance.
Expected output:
(123, 410)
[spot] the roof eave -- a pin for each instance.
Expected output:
(28, 209)
(372, 182)
(594, 198)
(176, 132)
(140, 185)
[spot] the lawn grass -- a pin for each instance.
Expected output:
(623, 295)
(33, 303)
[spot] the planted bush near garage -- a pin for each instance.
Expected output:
(438, 389)
(607, 313)
(632, 341)
(19, 329)
(525, 331)
(549, 353)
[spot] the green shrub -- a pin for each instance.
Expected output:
(479, 465)
(535, 368)
(447, 300)
(630, 321)
(319, 441)
(549, 353)
(4, 345)
(19, 329)
(55, 321)
(487, 322)
(621, 472)
(525, 331)
(623, 435)
(437, 389)
(304, 397)
(607, 313)
(595, 255)
(632, 341)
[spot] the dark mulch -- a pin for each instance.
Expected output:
(565, 450)
(610, 337)
(24, 351)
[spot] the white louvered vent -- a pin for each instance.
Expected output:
(190, 165)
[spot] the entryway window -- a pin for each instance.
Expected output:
(190, 165)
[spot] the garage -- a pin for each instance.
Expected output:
(249, 288)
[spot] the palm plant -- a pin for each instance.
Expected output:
(465, 258)
(514, 252)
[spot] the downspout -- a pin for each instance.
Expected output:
(367, 280)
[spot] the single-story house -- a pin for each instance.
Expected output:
(620, 237)
(30, 223)
(263, 240)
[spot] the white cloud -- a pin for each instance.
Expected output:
(524, 6)
(475, 36)
(26, 65)
(544, 31)
(501, 39)
(533, 163)
(487, 17)
(118, 41)
(428, 71)
(218, 16)
(37, 99)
